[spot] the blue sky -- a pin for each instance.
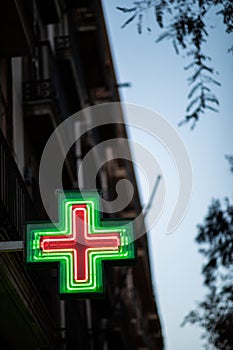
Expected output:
(159, 83)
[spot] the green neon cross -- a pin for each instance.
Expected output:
(80, 242)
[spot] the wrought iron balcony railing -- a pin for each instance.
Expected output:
(37, 90)
(15, 203)
(49, 85)
(16, 208)
(62, 43)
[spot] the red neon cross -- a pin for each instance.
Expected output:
(80, 242)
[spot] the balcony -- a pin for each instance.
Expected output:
(15, 203)
(62, 46)
(49, 97)
(38, 90)
(22, 309)
(46, 87)
(84, 19)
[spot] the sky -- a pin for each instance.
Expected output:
(158, 82)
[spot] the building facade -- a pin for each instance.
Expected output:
(55, 60)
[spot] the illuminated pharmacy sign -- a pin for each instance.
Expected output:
(80, 242)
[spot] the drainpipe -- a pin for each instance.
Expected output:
(63, 323)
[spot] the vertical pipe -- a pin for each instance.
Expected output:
(63, 323)
(89, 322)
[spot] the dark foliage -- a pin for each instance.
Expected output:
(215, 313)
(230, 160)
(186, 27)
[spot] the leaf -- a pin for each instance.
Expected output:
(194, 89)
(189, 65)
(159, 15)
(192, 103)
(195, 75)
(212, 108)
(209, 69)
(124, 9)
(163, 36)
(230, 50)
(175, 47)
(205, 88)
(212, 99)
(140, 17)
(128, 21)
(210, 79)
